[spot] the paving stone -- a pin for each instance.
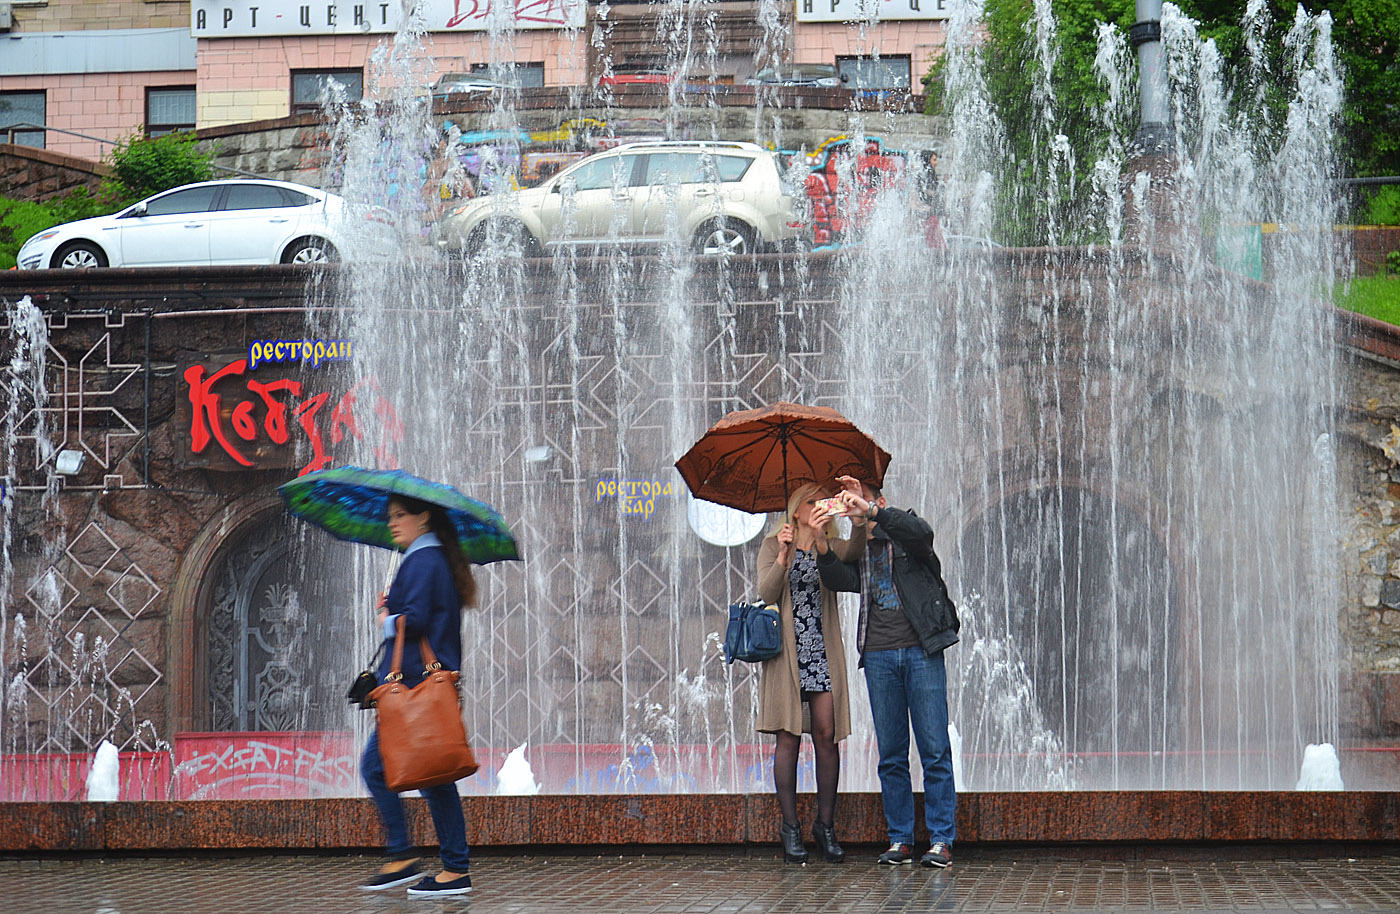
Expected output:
(733, 881)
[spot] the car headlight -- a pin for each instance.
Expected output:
(42, 236)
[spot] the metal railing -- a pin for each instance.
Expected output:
(12, 129)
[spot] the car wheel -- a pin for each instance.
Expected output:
(501, 232)
(79, 255)
(311, 251)
(724, 236)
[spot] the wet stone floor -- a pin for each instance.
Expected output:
(725, 882)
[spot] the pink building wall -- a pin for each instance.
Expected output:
(248, 79)
(109, 106)
(823, 43)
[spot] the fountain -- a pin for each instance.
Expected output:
(1125, 448)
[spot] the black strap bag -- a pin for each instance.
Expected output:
(755, 633)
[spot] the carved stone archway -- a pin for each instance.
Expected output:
(256, 659)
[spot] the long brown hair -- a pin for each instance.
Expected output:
(439, 523)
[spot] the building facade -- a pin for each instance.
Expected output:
(77, 76)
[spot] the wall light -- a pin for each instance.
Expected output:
(69, 463)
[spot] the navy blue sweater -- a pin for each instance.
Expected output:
(425, 595)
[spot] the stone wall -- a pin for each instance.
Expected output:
(1371, 546)
(27, 173)
(145, 520)
(296, 148)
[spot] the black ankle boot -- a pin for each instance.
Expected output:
(793, 851)
(825, 836)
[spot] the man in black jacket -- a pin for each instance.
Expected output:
(906, 621)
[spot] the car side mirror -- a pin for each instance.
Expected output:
(137, 210)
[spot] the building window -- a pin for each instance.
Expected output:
(313, 88)
(528, 75)
(22, 108)
(168, 109)
(874, 73)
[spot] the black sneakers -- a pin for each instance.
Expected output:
(430, 886)
(381, 881)
(940, 855)
(897, 854)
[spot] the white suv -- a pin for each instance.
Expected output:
(722, 198)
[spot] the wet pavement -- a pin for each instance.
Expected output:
(729, 881)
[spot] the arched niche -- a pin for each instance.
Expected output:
(250, 650)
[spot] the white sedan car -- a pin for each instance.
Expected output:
(213, 222)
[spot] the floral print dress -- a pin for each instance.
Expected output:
(813, 675)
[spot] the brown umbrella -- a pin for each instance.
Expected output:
(753, 459)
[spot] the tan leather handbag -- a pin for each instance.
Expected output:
(422, 741)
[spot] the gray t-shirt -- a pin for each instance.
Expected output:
(887, 628)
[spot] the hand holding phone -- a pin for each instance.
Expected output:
(832, 506)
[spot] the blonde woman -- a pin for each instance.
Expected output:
(804, 687)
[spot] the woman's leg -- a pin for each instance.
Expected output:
(785, 775)
(445, 804)
(396, 841)
(828, 755)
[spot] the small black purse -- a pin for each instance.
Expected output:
(365, 683)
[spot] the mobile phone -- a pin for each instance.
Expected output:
(832, 506)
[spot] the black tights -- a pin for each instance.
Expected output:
(828, 762)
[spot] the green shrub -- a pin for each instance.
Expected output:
(1384, 206)
(1392, 262)
(21, 219)
(143, 166)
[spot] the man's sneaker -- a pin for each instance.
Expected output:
(897, 854)
(430, 886)
(382, 881)
(939, 855)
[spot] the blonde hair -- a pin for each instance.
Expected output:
(795, 500)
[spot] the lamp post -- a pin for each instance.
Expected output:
(1154, 131)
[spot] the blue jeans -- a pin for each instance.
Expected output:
(906, 687)
(443, 802)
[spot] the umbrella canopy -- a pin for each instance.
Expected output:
(753, 459)
(352, 503)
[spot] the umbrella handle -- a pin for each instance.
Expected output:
(389, 579)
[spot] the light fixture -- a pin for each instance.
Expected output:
(538, 454)
(69, 463)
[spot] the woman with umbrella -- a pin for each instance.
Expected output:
(440, 531)
(750, 460)
(433, 585)
(804, 687)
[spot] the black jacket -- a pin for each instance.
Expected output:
(918, 579)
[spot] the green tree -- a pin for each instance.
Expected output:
(1365, 36)
(143, 166)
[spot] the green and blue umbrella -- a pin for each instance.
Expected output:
(352, 503)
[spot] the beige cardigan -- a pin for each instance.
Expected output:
(780, 706)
